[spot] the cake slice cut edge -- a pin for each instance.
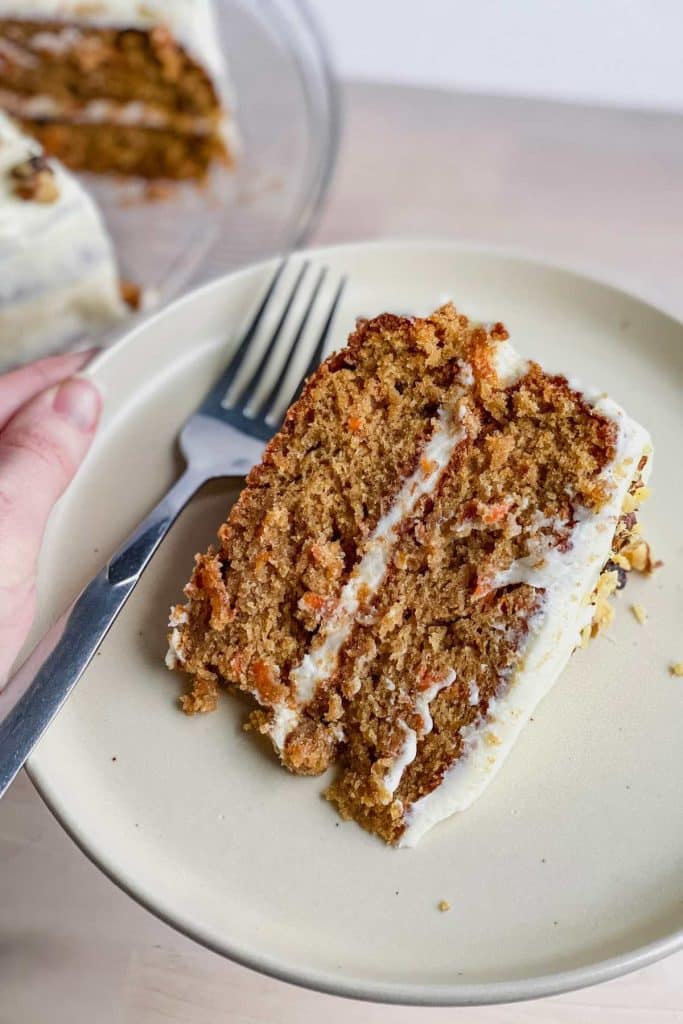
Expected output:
(454, 606)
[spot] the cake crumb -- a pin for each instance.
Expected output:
(676, 669)
(159, 191)
(131, 294)
(444, 905)
(639, 613)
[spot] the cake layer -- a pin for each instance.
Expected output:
(58, 276)
(129, 149)
(412, 565)
(76, 64)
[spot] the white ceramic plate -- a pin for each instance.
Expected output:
(567, 871)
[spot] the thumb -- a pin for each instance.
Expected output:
(40, 449)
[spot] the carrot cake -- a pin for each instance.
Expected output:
(125, 86)
(433, 531)
(58, 275)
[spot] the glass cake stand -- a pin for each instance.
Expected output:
(287, 111)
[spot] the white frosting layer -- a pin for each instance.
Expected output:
(425, 698)
(134, 113)
(191, 22)
(509, 365)
(408, 750)
(321, 660)
(58, 274)
(568, 579)
(405, 756)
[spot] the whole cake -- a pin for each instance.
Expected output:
(134, 87)
(58, 276)
(433, 531)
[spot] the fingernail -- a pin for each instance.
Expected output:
(79, 402)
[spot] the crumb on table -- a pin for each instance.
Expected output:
(676, 668)
(444, 905)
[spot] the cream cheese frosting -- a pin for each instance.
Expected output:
(568, 578)
(58, 276)
(101, 111)
(191, 22)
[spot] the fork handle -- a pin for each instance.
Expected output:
(38, 689)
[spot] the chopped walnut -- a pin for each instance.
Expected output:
(629, 552)
(639, 613)
(604, 612)
(633, 500)
(34, 180)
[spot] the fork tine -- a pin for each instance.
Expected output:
(252, 386)
(314, 361)
(272, 396)
(223, 384)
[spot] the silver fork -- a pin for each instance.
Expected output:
(224, 437)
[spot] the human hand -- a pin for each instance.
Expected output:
(47, 421)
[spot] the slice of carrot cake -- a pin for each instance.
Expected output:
(121, 86)
(427, 539)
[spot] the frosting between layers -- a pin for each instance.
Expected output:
(101, 111)
(408, 750)
(319, 663)
(568, 579)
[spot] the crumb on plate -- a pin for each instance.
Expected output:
(639, 613)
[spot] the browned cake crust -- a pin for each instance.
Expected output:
(528, 453)
(120, 67)
(298, 528)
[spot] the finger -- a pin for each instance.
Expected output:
(20, 386)
(40, 450)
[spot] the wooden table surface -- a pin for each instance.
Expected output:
(599, 190)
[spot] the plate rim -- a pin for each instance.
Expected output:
(406, 993)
